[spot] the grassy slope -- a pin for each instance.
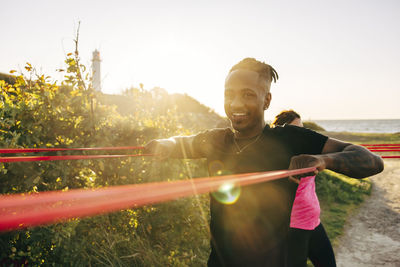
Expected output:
(367, 138)
(194, 115)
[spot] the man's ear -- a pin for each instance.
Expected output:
(267, 100)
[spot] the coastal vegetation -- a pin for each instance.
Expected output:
(313, 126)
(36, 112)
(365, 138)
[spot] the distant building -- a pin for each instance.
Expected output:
(96, 78)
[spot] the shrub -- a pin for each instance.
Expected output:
(312, 126)
(38, 113)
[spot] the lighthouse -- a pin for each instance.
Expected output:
(96, 80)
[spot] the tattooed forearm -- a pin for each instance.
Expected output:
(354, 161)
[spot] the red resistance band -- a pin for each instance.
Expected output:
(380, 145)
(67, 157)
(30, 150)
(72, 157)
(390, 157)
(22, 210)
(384, 150)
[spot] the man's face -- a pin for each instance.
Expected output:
(246, 98)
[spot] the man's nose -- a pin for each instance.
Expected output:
(236, 103)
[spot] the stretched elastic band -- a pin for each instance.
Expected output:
(380, 144)
(390, 157)
(26, 210)
(67, 157)
(384, 150)
(32, 150)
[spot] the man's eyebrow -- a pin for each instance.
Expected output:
(247, 89)
(240, 90)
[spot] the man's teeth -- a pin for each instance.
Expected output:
(239, 114)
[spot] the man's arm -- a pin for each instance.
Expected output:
(352, 160)
(174, 147)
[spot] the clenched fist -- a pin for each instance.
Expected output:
(162, 148)
(305, 161)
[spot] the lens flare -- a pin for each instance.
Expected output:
(227, 193)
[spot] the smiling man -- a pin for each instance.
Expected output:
(246, 98)
(252, 229)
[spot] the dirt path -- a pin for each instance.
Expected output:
(372, 236)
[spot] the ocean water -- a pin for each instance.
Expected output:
(361, 126)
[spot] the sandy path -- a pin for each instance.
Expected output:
(372, 236)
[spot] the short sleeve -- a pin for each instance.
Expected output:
(202, 144)
(303, 140)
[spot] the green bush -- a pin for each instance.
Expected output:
(38, 113)
(333, 187)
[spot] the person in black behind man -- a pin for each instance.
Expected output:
(252, 231)
(306, 237)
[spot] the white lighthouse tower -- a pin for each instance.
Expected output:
(96, 80)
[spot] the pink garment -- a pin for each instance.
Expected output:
(306, 210)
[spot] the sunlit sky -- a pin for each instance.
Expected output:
(336, 59)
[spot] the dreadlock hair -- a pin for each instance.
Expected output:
(285, 117)
(264, 70)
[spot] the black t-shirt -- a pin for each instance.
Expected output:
(250, 230)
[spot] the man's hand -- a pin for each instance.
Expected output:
(305, 161)
(162, 148)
